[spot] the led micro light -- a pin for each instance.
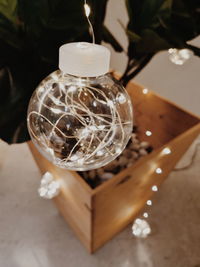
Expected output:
(166, 151)
(149, 202)
(154, 188)
(145, 215)
(87, 13)
(158, 170)
(87, 10)
(148, 133)
(145, 91)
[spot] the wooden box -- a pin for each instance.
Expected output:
(96, 215)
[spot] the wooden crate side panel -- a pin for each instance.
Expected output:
(78, 217)
(74, 202)
(163, 119)
(118, 204)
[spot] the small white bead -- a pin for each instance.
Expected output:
(135, 146)
(143, 152)
(123, 161)
(135, 155)
(107, 175)
(144, 144)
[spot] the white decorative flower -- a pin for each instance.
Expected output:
(49, 188)
(179, 56)
(141, 228)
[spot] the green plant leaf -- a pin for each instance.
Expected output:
(109, 38)
(133, 37)
(8, 9)
(195, 50)
(161, 24)
(147, 13)
(29, 51)
(185, 21)
(151, 42)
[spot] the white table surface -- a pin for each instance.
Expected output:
(33, 234)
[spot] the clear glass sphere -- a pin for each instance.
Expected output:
(80, 123)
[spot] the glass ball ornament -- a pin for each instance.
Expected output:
(80, 123)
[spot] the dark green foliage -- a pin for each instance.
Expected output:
(157, 25)
(31, 32)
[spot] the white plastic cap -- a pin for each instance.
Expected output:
(84, 59)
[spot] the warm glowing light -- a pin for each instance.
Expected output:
(87, 10)
(100, 152)
(55, 77)
(87, 13)
(149, 202)
(158, 170)
(145, 215)
(148, 133)
(145, 91)
(72, 88)
(154, 188)
(55, 110)
(166, 151)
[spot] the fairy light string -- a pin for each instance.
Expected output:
(141, 227)
(87, 13)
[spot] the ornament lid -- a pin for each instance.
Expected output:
(84, 59)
